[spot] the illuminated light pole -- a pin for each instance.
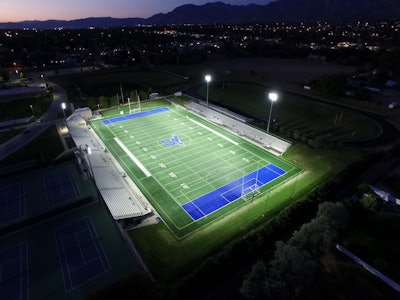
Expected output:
(272, 97)
(89, 152)
(63, 107)
(33, 113)
(208, 79)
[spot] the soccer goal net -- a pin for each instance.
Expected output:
(250, 192)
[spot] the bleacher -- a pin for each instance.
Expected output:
(268, 141)
(227, 112)
(122, 198)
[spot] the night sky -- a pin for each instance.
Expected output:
(22, 10)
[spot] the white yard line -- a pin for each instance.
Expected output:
(135, 160)
(215, 132)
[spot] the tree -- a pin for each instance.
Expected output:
(363, 188)
(294, 264)
(335, 212)
(114, 101)
(91, 103)
(143, 95)
(315, 237)
(297, 134)
(253, 286)
(132, 96)
(103, 102)
(5, 75)
(370, 202)
(290, 268)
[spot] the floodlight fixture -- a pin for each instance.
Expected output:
(208, 79)
(272, 96)
(63, 107)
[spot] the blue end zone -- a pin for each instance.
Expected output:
(134, 116)
(214, 200)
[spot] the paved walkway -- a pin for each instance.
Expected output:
(35, 129)
(370, 269)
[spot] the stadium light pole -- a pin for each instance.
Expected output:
(63, 107)
(272, 97)
(208, 79)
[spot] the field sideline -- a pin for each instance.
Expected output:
(180, 162)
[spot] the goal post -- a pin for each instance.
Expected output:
(250, 186)
(250, 192)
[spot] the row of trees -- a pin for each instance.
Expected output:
(294, 262)
(113, 101)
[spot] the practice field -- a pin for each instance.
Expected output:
(191, 170)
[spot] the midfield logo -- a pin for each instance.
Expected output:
(172, 142)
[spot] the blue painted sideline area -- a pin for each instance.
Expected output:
(134, 116)
(216, 199)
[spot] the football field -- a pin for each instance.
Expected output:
(192, 171)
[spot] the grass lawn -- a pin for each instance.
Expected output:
(109, 82)
(22, 108)
(35, 150)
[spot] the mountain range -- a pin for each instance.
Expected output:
(222, 13)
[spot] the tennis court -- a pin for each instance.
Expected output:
(12, 202)
(14, 272)
(60, 186)
(66, 250)
(81, 253)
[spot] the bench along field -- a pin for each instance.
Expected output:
(192, 171)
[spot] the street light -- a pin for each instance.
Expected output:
(208, 79)
(272, 97)
(63, 106)
(89, 152)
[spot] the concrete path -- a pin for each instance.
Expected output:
(369, 268)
